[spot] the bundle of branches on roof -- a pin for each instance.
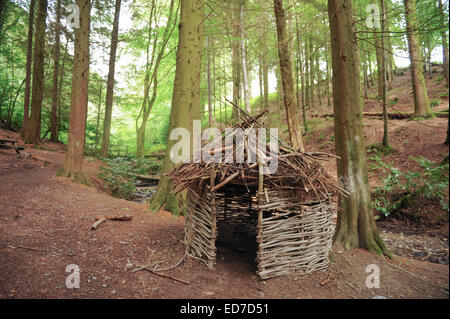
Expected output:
(298, 172)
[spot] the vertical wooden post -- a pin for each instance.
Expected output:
(259, 226)
(212, 243)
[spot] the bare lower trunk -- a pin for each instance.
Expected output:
(110, 81)
(421, 103)
(379, 55)
(185, 96)
(385, 142)
(26, 104)
(54, 113)
(444, 42)
(73, 162)
(355, 226)
(292, 116)
(33, 128)
(236, 58)
(245, 76)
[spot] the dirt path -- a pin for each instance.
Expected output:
(45, 226)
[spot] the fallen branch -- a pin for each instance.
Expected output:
(168, 276)
(41, 231)
(352, 287)
(27, 248)
(97, 223)
(171, 267)
(116, 218)
(149, 266)
(154, 178)
(398, 267)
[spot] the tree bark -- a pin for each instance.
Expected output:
(99, 110)
(33, 131)
(421, 103)
(356, 224)
(245, 76)
(208, 73)
(73, 162)
(236, 58)
(300, 73)
(444, 42)
(26, 104)
(61, 81)
(54, 113)
(311, 73)
(110, 82)
(379, 55)
(292, 116)
(384, 142)
(185, 96)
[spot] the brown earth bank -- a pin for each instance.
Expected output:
(45, 225)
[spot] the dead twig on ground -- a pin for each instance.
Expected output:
(41, 231)
(168, 276)
(149, 266)
(121, 218)
(97, 223)
(24, 247)
(171, 267)
(352, 287)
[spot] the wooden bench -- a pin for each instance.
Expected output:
(13, 145)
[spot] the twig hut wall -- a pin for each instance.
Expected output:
(289, 212)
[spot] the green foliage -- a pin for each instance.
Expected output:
(435, 102)
(393, 101)
(120, 174)
(430, 182)
(379, 149)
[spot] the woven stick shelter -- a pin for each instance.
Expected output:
(289, 212)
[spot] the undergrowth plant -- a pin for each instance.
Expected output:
(120, 174)
(431, 181)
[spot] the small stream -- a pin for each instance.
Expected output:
(144, 190)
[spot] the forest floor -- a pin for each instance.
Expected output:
(45, 224)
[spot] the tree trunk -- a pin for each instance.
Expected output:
(26, 104)
(444, 42)
(73, 162)
(110, 81)
(328, 76)
(99, 110)
(300, 73)
(292, 116)
(307, 83)
(312, 104)
(33, 131)
(54, 113)
(318, 78)
(236, 58)
(390, 58)
(208, 73)
(13, 106)
(185, 96)
(265, 65)
(379, 54)
(245, 75)
(61, 81)
(356, 225)
(384, 142)
(421, 103)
